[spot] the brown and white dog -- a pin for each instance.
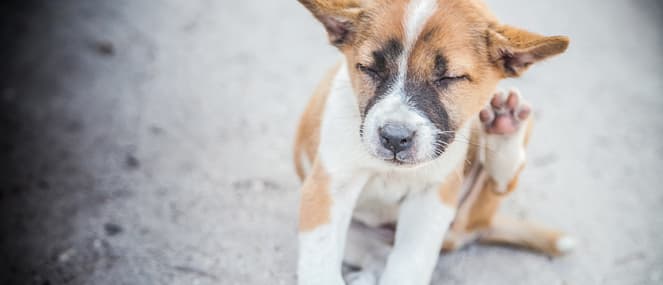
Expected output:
(407, 130)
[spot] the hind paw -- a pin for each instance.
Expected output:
(504, 114)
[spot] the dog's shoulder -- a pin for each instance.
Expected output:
(307, 139)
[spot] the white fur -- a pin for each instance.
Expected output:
(416, 16)
(423, 221)
(340, 144)
(317, 264)
(321, 250)
(418, 13)
(565, 244)
(503, 156)
(393, 109)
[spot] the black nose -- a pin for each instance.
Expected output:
(396, 137)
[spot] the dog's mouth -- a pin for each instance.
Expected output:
(402, 163)
(408, 162)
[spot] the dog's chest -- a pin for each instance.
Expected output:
(380, 199)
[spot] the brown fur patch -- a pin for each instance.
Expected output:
(465, 54)
(515, 50)
(484, 207)
(448, 191)
(380, 24)
(528, 132)
(516, 232)
(316, 201)
(439, 37)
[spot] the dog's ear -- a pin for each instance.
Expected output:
(514, 50)
(339, 17)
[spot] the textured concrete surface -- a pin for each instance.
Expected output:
(149, 143)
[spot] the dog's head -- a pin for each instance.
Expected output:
(422, 68)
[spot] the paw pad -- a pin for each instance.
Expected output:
(504, 113)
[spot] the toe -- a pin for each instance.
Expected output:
(513, 100)
(524, 112)
(486, 116)
(497, 100)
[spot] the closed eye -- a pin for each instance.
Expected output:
(374, 74)
(444, 81)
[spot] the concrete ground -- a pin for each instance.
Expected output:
(149, 143)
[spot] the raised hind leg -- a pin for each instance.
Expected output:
(505, 125)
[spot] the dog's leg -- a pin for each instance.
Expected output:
(326, 208)
(506, 129)
(511, 231)
(506, 126)
(482, 223)
(422, 222)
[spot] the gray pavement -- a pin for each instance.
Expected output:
(149, 142)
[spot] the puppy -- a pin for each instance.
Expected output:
(407, 130)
